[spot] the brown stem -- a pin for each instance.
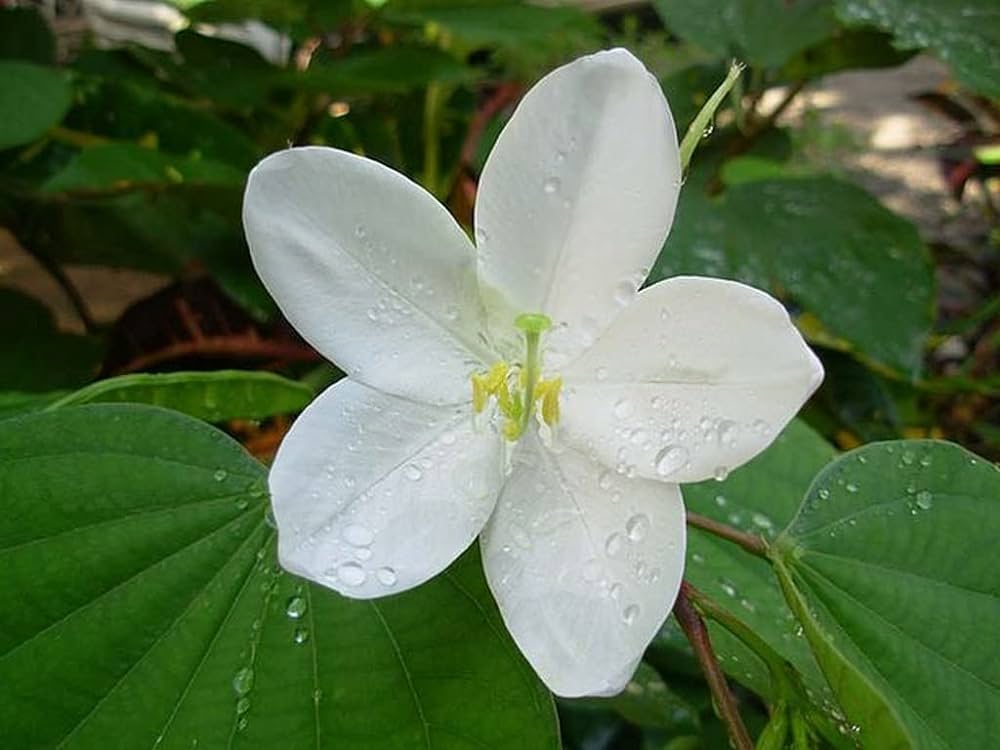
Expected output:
(755, 545)
(53, 269)
(696, 632)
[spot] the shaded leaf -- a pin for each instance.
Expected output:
(33, 99)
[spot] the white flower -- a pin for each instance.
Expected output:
(570, 471)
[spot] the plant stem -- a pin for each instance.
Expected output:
(696, 632)
(433, 100)
(56, 272)
(700, 124)
(755, 545)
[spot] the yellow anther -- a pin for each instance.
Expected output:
(548, 391)
(480, 392)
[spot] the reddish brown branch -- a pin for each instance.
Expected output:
(753, 544)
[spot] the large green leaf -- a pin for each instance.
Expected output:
(145, 609)
(858, 271)
(759, 498)
(965, 33)
(212, 396)
(126, 166)
(762, 32)
(890, 565)
(32, 99)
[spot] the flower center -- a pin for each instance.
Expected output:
(518, 388)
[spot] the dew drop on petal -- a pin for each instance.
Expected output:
(720, 473)
(630, 613)
(351, 574)
(386, 576)
(670, 460)
(413, 472)
(551, 185)
(614, 544)
(637, 526)
(357, 535)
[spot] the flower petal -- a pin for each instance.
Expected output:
(577, 197)
(370, 269)
(696, 377)
(374, 494)
(584, 565)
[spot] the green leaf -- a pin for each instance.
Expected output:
(761, 32)
(147, 610)
(847, 49)
(759, 498)
(965, 33)
(25, 35)
(860, 274)
(33, 99)
(889, 565)
(212, 396)
(41, 357)
(126, 166)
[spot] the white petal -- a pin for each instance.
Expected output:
(374, 494)
(584, 564)
(695, 378)
(370, 269)
(577, 197)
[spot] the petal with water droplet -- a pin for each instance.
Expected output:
(370, 269)
(729, 368)
(581, 614)
(577, 196)
(385, 533)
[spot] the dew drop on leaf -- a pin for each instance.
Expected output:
(296, 607)
(243, 681)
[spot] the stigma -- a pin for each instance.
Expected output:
(517, 388)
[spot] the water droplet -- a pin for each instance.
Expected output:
(709, 129)
(551, 185)
(601, 373)
(721, 501)
(670, 460)
(630, 613)
(386, 576)
(241, 725)
(727, 432)
(300, 636)
(614, 544)
(908, 458)
(727, 587)
(413, 472)
(698, 558)
(604, 480)
(296, 607)
(624, 408)
(357, 535)
(637, 526)
(360, 231)
(925, 461)
(720, 473)
(824, 493)
(925, 500)
(851, 487)
(243, 681)
(351, 574)
(220, 475)
(242, 705)
(242, 504)
(615, 591)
